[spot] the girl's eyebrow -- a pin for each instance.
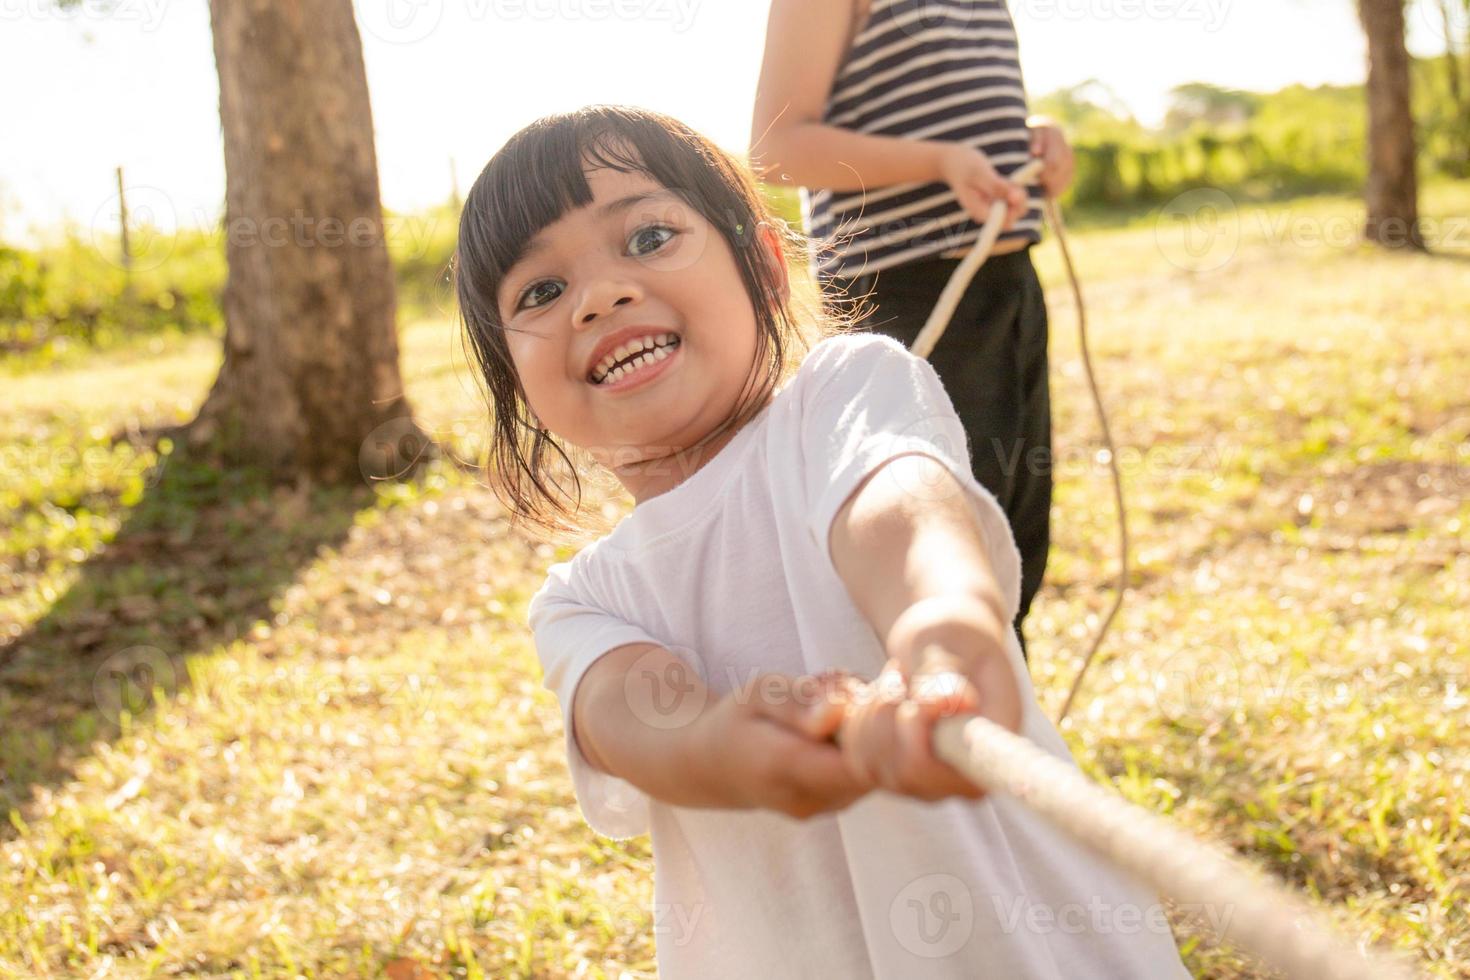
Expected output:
(621, 204)
(538, 243)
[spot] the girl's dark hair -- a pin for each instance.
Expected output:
(535, 179)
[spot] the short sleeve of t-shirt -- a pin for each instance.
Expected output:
(867, 400)
(570, 635)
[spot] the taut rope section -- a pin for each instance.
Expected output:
(1254, 913)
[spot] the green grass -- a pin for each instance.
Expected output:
(347, 765)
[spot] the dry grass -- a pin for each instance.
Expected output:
(349, 767)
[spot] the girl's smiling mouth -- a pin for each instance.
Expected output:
(633, 364)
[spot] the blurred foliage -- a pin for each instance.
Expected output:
(1299, 140)
(421, 246)
(72, 295)
(75, 293)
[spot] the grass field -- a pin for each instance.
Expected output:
(348, 767)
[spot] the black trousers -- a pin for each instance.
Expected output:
(992, 360)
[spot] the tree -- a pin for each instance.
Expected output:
(1392, 194)
(1452, 61)
(1091, 112)
(311, 350)
(1209, 105)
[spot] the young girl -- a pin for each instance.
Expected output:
(739, 660)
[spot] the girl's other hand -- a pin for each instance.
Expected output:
(887, 734)
(767, 746)
(977, 184)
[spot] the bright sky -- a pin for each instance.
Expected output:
(136, 86)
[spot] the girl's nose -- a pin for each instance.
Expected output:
(604, 297)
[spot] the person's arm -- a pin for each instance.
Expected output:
(639, 713)
(916, 566)
(893, 547)
(805, 44)
(608, 720)
(789, 145)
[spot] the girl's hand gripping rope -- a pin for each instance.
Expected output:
(947, 656)
(768, 746)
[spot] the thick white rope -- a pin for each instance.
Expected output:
(1251, 912)
(1254, 913)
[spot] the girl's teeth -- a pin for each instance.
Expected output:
(652, 353)
(621, 372)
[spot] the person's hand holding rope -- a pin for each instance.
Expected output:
(1049, 145)
(978, 185)
(946, 657)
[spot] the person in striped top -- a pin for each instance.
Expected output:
(900, 121)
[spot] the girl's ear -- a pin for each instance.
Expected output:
(770, 244)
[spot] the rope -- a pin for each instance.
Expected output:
(1054, 218)
(1261, 916)
(938, 322)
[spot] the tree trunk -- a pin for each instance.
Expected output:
(1392, 193)
(310, 366)
(1452, 61)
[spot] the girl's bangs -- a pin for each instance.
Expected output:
(541, 181)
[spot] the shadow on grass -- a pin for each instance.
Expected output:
(197, 563)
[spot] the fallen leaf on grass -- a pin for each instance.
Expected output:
(404, 968)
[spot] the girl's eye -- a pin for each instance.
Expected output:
(657, 234)
(534, 291)
(652, 236)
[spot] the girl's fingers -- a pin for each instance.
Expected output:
(800, 704)
(926, 770)
(940, 679)
(808, 773)
(1001, 702)
(867, 727)
(820, 770)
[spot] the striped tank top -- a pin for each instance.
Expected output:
(930, 70)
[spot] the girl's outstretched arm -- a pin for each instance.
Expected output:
(916, 565)
(640, 714)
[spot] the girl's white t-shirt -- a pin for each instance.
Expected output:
(731, 571)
